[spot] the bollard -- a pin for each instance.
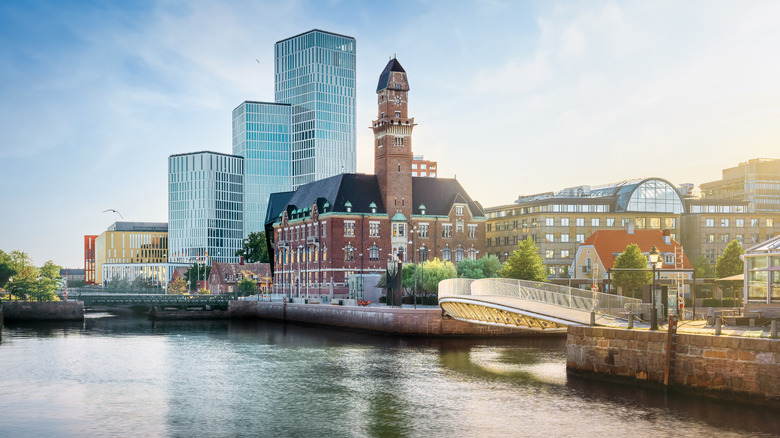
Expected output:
(592, 318)
(752, 322)
(717, 326)
(773, 329)
(630, 320)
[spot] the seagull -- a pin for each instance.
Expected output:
(258, 61)
(111, 209)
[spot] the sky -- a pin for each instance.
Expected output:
(511, 97)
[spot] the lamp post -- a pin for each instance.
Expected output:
(654, 258)
(414, 289)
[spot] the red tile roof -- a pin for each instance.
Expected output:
(610, 243)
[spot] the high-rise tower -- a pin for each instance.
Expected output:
(315, 73)
(393, 140)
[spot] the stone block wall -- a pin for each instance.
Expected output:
(721, 366)
(418, 322)
(43, 311)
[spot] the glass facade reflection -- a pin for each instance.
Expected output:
(315, 73)
(205, 207)
(261, 135)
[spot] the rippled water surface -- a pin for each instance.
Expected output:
(133, 377)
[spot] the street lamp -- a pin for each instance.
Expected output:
(655, 260)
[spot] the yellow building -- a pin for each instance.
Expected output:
(129, 249)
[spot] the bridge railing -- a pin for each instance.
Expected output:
(563, 296)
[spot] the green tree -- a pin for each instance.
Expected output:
(703, 268)
(434, 272)
(255, 248)
(525, 263)
(491, 266)
(468, 268)
(197, 273)
(632, 258)
(729, 264)
(247, 287)
(178, 286)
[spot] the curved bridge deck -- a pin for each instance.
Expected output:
(532, 305)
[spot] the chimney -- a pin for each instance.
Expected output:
(668, 236)
(630, 227)
(241, 260)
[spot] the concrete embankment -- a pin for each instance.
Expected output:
(741, 368)
(403, 321)
(42, 311)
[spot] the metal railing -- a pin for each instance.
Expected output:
(557, 295)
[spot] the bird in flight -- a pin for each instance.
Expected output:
(111, 209)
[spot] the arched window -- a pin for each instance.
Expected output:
(400, 254)
(424, 253)
(472, 253)
(324, 252)
(459, 254)
(373, 253)
(446, 254)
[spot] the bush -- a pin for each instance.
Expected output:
(383, 299)
(431, 300)
(711, 302)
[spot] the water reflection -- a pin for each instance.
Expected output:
(228, 378)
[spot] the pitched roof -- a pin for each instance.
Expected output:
(610, 243)
(438, 195)
(357, 189)
(384, 78)
(261, 270)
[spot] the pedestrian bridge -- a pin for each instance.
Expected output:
(532, 305)
(156, 301)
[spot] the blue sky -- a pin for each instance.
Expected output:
(512, 97)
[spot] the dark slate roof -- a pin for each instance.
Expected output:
(360, 190)
(276, 204)
(384, 78)
(438, 195)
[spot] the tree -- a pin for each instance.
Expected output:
(434, 272)
(178, 286)
(468, 268)
(247, 287)
(729, 264)
(35, 283)
(703, 268)
(491, 266)
(632, 258)
(525, 263)
(197, 273)
(255, 248)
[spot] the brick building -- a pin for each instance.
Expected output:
(332, 232)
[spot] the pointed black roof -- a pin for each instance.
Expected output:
(439, 194)
(384, 78)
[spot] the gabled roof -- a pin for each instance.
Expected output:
(276, 205)
(439, 194)
(357, 189)
(610, 243)
(261, 270)
(384, 78)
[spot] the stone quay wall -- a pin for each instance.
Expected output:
(43, 311)
(746, 369)
(402, 321)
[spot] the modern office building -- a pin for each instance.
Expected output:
(423, 167)
(129, 249)
(261, 135)
(761, 291)
(332, 233)
(308, 133)
(315, 73)
(205, 207)
(756, 181)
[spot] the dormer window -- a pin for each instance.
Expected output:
(422, 209)
(372, 206)
(348, 206)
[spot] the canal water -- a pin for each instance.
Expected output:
(112, 376)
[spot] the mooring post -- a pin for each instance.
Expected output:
(592, 318)
(773, 329)
(630, 320)
(718, 323)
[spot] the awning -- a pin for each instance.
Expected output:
(739, 277)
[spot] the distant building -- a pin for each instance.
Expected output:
(332, 233)
(72, 276)
(308, 133)
(225, 278)
(424, 168)
(132, 249)
(205, 207)
(89, 259)
(756, 181)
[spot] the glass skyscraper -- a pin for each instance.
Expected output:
(315, 73)
(261, 135)
(309, 132)
(205, 207)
